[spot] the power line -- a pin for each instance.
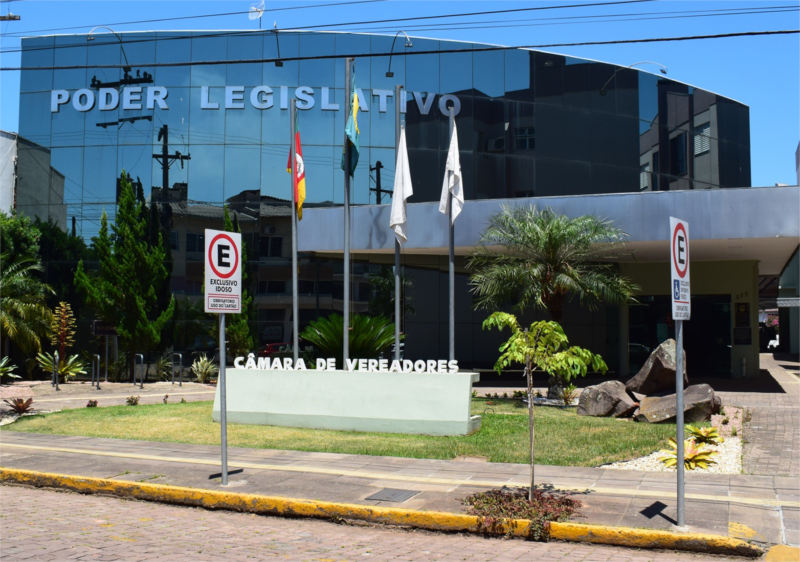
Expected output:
(764, 9)
(408, 54)
(466, 25)
(590, 22)
(391, 20)
(18, 33)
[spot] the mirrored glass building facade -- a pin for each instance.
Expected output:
(194, 138)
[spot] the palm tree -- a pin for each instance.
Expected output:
(24, 316)
(545, 259)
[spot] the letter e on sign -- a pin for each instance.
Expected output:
(679, 269)
(223, 286)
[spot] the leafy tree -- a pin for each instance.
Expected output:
(546, 259)
(123, 291)
(24, 316)
(542, 347)
(19, 238)
(381, 297)
(61, 252)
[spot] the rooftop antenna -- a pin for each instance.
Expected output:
(256, 11)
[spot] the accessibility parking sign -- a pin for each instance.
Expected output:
(679, 261)
(223, 288)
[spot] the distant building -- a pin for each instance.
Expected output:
(31, 181)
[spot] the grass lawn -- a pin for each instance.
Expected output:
(562, 437)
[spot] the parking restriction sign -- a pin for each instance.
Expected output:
(223, 291)
(680, 287)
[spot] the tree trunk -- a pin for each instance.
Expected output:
(530, 421)
(555, 306)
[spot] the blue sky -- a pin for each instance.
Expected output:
(761, 72)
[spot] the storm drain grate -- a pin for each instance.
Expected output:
(392, 495)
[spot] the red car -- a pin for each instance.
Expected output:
(271, 348)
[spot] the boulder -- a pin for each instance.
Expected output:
(658, 372)
(699, 404)
(605, 399)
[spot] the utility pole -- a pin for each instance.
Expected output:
(166, 159)
(9, 17)
(377, 189)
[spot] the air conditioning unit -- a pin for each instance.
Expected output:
(270, 229)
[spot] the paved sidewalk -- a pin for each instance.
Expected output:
(773, 435)
(752, 507)
(46, 525)
(764, 507)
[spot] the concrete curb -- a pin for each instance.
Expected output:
(431, 520)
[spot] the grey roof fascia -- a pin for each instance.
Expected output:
(718, 214)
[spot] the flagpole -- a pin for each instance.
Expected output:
(346, 305)
(293, 159)
(397, 316)
(452, 272)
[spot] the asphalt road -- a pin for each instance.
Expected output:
(41, 525)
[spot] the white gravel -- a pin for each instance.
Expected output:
(728, 460)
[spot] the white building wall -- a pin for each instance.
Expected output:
(8, 160)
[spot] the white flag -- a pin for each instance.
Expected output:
(452, 180)
(402, 191)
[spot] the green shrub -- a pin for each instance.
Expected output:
(132, 401)
(369, 336)
(704, 434)
(694, 455)
(498, 507)
(204, 368)
(6, 369)
(68, 368)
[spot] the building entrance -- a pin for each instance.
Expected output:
(706, 337)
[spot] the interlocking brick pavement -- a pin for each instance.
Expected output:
(44, 525)
(772, 437)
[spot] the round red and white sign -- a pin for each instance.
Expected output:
(223, 256)
(680, 250)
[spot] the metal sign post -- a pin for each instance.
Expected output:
(681, 310)
(223, 294)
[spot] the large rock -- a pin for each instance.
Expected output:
(699, 404)
(605, 399)
(658, 372)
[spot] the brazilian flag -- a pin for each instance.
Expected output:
(351, 130)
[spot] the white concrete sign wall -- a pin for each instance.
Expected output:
(223, 256)
(679, 266)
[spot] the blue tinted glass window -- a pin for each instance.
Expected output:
(67, 125)
(348, 44)
(243, 126)
(489, 73)
(455, 70)
(173, 47)
(386, 157)
(34, 117)
(36, 53)
(317, 73)
(422, 71)
(207, 126)
(245, 46)
(138, 162)
(70, 51)
(176, 118)
(519, 72)
(278, 45)
(100, 177)
(549, 78)
(379, 66)
(212, 46)
(205, 173)
(242, 169)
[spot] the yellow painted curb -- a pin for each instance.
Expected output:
(432, 520)
(652, 538)
(783, 553)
